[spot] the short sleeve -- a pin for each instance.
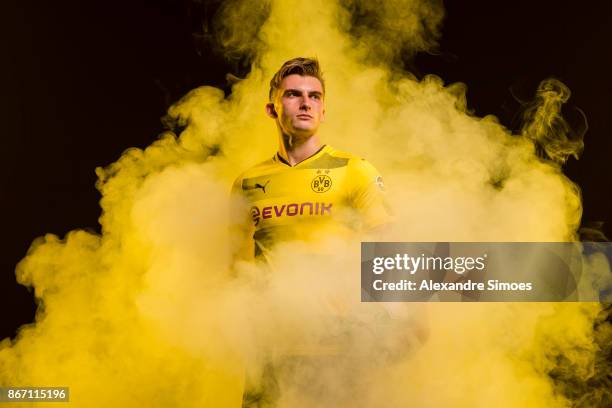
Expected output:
(368, 195)
(240, 225)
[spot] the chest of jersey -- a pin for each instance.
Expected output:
(296, 194)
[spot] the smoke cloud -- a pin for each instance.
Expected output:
(150, 313)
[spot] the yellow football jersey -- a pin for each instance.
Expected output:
(327, 194)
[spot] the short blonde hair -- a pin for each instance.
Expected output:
(300, 66)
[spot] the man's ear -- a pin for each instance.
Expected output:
(323, 115)
(271, 111)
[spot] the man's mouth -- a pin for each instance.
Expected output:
(304, 116)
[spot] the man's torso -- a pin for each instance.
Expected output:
(329, 193)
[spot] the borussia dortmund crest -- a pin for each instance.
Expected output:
(321, 183)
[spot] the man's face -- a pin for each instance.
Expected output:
(298, 105)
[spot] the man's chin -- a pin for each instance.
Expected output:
(304, 133)
(304, 128)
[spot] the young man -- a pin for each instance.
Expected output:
(308, 190)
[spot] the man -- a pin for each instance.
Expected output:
(308, 190)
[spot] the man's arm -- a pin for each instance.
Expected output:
(369, 199)
(409, 320)
(240, 226)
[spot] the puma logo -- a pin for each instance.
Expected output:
(257, 185)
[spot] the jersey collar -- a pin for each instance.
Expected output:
(309, 159)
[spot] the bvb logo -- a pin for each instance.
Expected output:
(321, 183)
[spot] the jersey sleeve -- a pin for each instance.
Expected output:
(368, 195)
(240, 225)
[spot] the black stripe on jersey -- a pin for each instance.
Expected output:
(326, 161)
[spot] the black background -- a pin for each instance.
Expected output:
(82, 81)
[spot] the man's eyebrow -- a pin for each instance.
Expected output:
(291, 90)
(300, 91)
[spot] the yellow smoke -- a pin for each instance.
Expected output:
(148, 314)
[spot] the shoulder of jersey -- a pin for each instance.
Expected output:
(352, 159)
(259, 169)
(355, 162)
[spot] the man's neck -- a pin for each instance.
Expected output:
(295, 153)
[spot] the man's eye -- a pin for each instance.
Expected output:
(317, 97)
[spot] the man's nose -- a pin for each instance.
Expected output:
(305, 103)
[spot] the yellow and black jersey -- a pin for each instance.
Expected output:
(330, 192)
